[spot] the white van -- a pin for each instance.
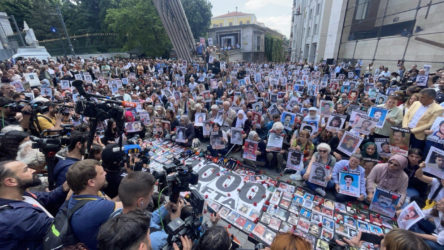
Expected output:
(39, 53)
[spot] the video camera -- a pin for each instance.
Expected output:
(190, 226)
(135, 150)
(178, 182)
(49, 144)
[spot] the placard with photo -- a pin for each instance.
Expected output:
(217, 141)
(236, 136)
(364, 124)
(275, 142)
(380, 99)
(437, 128)
(327, 108)
(47, 92)
(250, 148)
(199, 119)
(256, 120)
(181, 134)
(18, 86)
(294, 160)
(206, 129)
(64, 84)
(309, 127)
(207, 96)
(133, 127)
(273, 109)
(410, 215)
(383, 147)
(378, 113)
(166, 125)
(144, 117)
(257, 107)
(349, 183)
(435, 162)
(349, 143)
(318, 174)
(335, 122)
(273, 98)
(399, 141)
(287, 120)
(384, 202)
(32, 79)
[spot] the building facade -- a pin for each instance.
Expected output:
(240, 36)
(385, 31)
(233, 19)
(314, 29)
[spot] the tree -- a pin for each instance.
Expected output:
(139, 27)
(198, 13)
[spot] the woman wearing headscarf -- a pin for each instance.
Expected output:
(260, 151)
(277, 128)
(242, 121)
(389, 176)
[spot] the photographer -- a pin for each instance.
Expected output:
(10, 115)
(50, 120)
(24, 219)
(76, 151)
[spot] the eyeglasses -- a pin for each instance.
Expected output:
(322, 151)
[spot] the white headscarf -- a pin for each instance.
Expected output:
(240, 122)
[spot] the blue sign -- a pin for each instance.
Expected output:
(53, 29)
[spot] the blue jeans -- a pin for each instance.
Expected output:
(411, 192)
(433, 245)
(312, 186)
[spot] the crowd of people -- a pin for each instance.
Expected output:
(312, 122)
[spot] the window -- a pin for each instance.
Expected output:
(318, 8)
(240, 23)
(311, 14)
(231, 24)
(308, 31)
(258, 43)
(361, 9)
(315, 29)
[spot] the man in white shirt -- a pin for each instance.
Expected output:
(421, 116)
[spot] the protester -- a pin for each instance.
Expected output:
(421, 116)
(389, 176)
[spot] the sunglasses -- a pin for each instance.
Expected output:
(322, 151)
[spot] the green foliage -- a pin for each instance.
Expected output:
(274, 48)
(139, 27)
(198, 13)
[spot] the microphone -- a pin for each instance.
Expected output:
(78, 84)
(128, 104)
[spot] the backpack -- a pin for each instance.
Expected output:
(60, 233)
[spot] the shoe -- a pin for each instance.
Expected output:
(320, 191)
(296, 177)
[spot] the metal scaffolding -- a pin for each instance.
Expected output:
(176, 25)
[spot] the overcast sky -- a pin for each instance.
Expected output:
(275, 14)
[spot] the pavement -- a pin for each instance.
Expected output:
(240, 235)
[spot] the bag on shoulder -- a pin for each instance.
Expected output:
(60, 234)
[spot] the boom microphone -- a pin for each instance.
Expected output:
(78, 84)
